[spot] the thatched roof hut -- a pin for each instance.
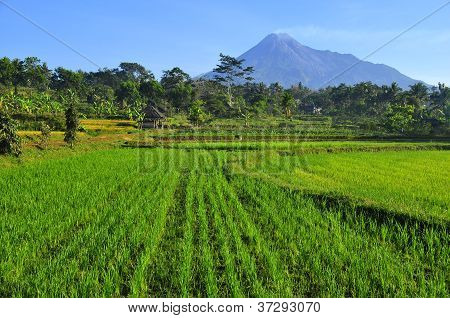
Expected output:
(153, 117)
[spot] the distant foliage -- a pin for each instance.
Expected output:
(72, 121)
(45, 135)
(9, 140)
(29, 87)
(288, 104)
(196, 113)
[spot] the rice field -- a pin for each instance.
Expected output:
(213, 223)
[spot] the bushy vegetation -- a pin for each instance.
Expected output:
(45, 135)
(72, 121)
(29, 87)
(172, 222)
(9, 140)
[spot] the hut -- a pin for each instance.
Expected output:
(153, 117)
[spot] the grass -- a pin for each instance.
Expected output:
(409, 182)
(293, 146)
(202, 222)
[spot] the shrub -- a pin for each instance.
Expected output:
(9, 140)
(196, 113)
(72, 121)
(45, 135)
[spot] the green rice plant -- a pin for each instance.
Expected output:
(205, 246)
(211, 223)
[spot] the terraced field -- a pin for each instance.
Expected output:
(213, 223)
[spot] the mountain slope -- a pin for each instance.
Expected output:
(280, 58)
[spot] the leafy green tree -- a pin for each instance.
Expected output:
(45, 135)
(151, 91)
(288, 104)
(212, 93)
(440, 97)
(196, 113)
(135, 72)
(215, 104)
(64, 79)
(8, 72)
(418, 94)
(105, 76)
(12, 73)
(399, 118)
(128, 93)
(173, 77)
(36, 73)
(276, 93)
(9, 140)
(72, 121)
(244, 110)
(362, 96)
(102, 99)
(260, 107)
(178, 90)
(341, 98)
(229, 72)
(394, 93)
(438, 113)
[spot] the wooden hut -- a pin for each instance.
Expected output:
(153, 117)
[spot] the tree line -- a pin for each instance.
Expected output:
(30, 86)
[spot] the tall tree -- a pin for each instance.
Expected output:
(196, 114)
(178, 89)
(229, 72)
(399, 118)
(276, 93)
(173, 77)
(64, 79)
(135, 72)
(438, 114)
(288, 104)
(36, 73)
(151, 91)
(72, 121)
(128, 93)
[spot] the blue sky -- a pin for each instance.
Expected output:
(191, 34)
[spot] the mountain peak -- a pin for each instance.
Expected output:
(280, 58)
(282, 37)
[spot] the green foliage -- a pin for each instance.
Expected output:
(231, 70)
(9, 140)
(288, 104)
(72, 122)
(151, 91)
(64, 79)
(399, 118)
(28, 86)
(28, 121)
(128, 93)
(45, 135)
(30, 102)
(178, 90)
(30, 72)
(260, 107)
(135, 72)
(196, 113)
